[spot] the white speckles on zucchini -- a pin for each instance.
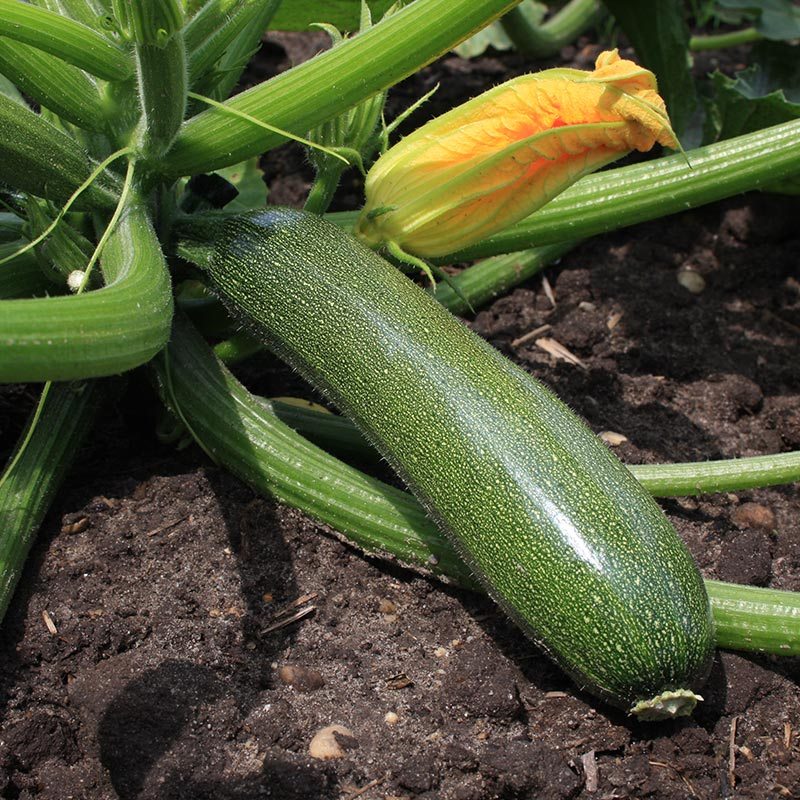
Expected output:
(559, 532)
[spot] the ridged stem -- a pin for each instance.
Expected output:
(94, 334)
(751, 618)
(492, 277)
(660, 480)
(67, 39)
(40, 158)
(242, 433)
(302, 98)
(205, 55)
(163, 83)
(28, 487)
(719, 41)
(212, 15)
(547, 38)
(63, 89)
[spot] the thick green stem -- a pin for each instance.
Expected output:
(304, 97)
(62, 37)
(760, 620)
(40, 158)
(94, 334)
(163, 83)
(242, 433)
(27, 488)
(545, 39)
(239, 347)
(323, 189)
(660, 480)
(730, 475)
(213, 15)
(719, 41)
(72, 94)
(493, 277)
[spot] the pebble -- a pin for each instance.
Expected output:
(612, 438)
(386, 606)
(300, 678)
(753, 515)
(331, 742)
(692, 281)
(391, 719)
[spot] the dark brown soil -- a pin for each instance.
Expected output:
(163, 678)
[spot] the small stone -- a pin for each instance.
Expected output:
(386, 606)
(691, 280)
(612, 438)
(391, 718)
(300, 678)
(753, 515)
(331, 742)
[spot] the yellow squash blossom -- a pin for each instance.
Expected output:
(498, 158)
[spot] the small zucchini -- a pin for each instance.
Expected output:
(553, 525)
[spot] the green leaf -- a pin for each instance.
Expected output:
(774, 19)
(765, 94)
(491, 36)
(298, 15)
(661, 40)
(248, 179)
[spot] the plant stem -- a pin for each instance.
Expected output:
(493, 277)
(546, 39)
(64, 418)
(756, 619)
(239, 347)
(304, 97)
(74, 96)
(729, 475)
(62, 37)
(245, 437)
(323, 189)
(30, 146)
(719, 41)
(79, 336)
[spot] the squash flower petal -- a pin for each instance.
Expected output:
(499, 157)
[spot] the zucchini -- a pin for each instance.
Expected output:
(553, 525)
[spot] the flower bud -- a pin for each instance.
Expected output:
(499, 157)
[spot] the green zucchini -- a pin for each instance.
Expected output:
(552, 524)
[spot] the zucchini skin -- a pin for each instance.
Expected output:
(554, 526)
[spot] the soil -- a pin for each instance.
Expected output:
(167, 669)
